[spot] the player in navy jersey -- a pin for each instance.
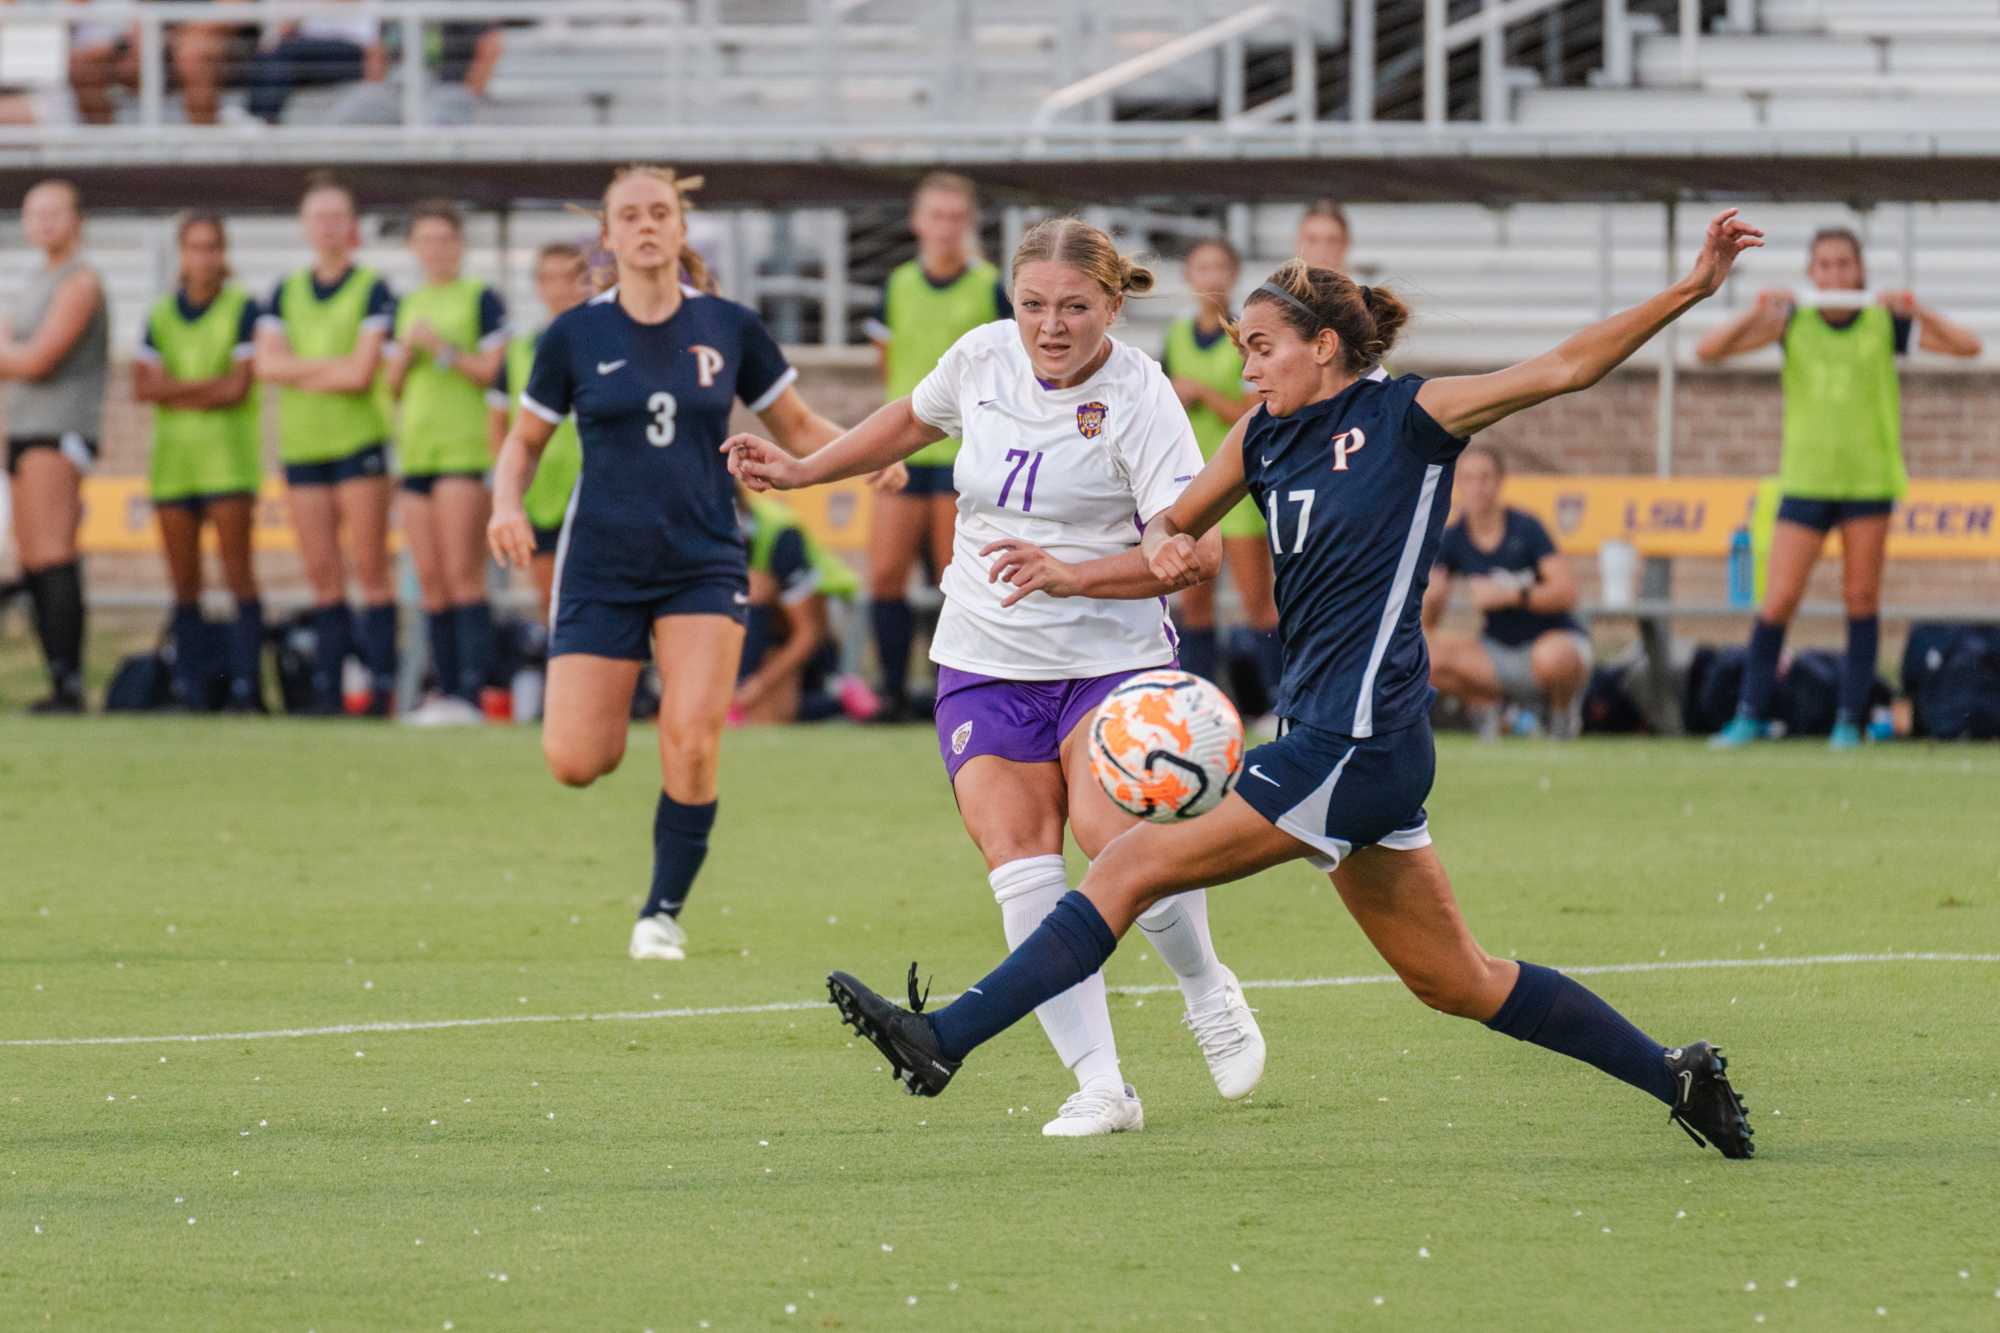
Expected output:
(651, 564)
(1353, 472)
(1529, 649)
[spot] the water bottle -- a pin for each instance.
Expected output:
(1882, 724)
(1742, 579)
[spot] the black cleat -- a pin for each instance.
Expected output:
(904, 1036)
(1705, 1105)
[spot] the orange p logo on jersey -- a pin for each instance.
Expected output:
(1090, 420)
(707, 364)
(1345, 443)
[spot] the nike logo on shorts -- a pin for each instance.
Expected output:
(1257, 772)
(606, 367)
(740, 598)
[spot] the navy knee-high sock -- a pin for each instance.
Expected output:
(1857, 668)
(475, 649)
(57, 592)
(1553, 1011)
(246, 653)
(680, 845)
(189, 676)
(378, 647)
(895, 630)
(1071, 943)
(1198, 652)
(441, 634)
(1760, 672)
(332, 636)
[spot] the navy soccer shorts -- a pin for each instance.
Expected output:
(1336, 794)
(1826, 515)
(625, 629)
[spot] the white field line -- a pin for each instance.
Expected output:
(795, 1006)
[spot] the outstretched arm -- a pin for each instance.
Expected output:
(508, 533)
(1758, 327)
(889, 435)
(1935, 333)
(1172, 541)
(1464, 404)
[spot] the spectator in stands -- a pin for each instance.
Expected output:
(194, 366)
(790, 658)
(1207, 373)
(927, 304)
(321, 339)
(1530, 651)
(55, 349)
(1842, 461)
(1323, 235)
(104, 56)
(313, 52)
(451, 336)
(562, 280)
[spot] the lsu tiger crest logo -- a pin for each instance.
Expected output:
(961, 737)
(1345, 443)
(1090, 420)
(707, 364)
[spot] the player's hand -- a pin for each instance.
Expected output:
(422, 335)
(1187, 390)
(890, 479)
(1903, 305)
(1028, 568)
(1728, 236)
(1491, 594)
(762, 465)
(1176, 561)
(511, 538)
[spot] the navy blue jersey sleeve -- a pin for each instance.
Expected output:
(1451, 549)
(1420, 429)
(765, 373)
(381, 312)
(492, 317)
(149, 347)
(792, 567)
(1901, 335)
(1004, 308)
(550, 392)
(1536, 543)
(246, 326)
(273, 310)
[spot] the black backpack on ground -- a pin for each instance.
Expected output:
(143, 683)
(1959, 699)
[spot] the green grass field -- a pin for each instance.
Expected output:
(755, 1170)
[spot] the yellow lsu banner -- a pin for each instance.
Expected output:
(1937, 520)
(118, 517)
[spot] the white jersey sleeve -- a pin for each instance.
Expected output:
(1161, 455)
(935, 400)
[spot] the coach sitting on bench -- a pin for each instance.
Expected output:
(1530, 651)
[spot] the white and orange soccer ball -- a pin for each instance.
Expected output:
(1166, 746)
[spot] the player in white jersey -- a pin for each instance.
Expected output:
(1072, 440)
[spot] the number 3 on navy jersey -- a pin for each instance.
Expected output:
(1304, 500)
(661, 431)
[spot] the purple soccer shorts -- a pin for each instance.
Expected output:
(1021, 720)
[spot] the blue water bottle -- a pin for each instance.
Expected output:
(1742, 579)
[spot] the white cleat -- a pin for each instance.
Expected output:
(1097, 1110)
(1226, 1030)
(443, 710)
(658, 939)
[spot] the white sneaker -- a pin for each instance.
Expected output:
(1097, 1110)
(658, 938)
(1226, 1030)
(443, 710)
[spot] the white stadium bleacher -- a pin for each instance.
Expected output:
(751, 83)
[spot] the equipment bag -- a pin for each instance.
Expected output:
(143, 683)
(1960, 699)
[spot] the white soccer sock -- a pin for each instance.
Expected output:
(1177, 926)
(1078, 1021)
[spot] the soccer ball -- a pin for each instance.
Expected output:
(1166, 746)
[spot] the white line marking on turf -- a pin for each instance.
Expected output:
(796, 1006)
